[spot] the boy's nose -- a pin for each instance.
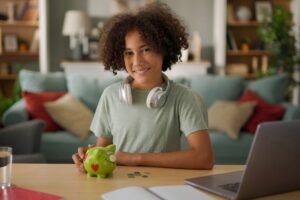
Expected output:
(138, 59)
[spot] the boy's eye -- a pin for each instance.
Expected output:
(128, 53)
(147, 49)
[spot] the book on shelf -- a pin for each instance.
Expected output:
(22, 8)
(34, 46)
(172, 192)
(15, 192)
(230, 13)
(31, 11)
(231, 42)
(228, 43)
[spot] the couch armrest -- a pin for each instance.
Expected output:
(292, 112)
(24, 138)
(17, 113)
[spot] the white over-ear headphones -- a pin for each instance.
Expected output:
(155, 99)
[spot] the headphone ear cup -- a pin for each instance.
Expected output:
(153, 97)
(128, 96)
(125, 93)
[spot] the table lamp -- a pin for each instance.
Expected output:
(77, 25)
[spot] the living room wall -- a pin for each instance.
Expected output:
(197, 15)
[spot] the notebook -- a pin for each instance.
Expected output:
(16, 193)
(172, 192)
(272, 166)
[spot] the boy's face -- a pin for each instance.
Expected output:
(142, 62)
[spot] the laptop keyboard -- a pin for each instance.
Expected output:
(233, 187)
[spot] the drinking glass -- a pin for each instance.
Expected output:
(5, 166)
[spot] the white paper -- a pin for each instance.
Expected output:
(130, 193)
(172, 192)
(179, 192)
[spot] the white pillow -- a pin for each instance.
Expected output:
(71, 115)
(229, 116)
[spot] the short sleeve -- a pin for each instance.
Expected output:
(100, 125)
(192, 113)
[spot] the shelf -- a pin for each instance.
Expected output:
(24, 29)
(243, 23)
(8, 77)
(19, 56)
(33, 24)
(249, 53)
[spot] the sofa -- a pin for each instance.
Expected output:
(58, 146)
(26, 149)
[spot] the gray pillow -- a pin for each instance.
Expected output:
(273, 89)
(213, 87)
(88, 89)
(32, 81)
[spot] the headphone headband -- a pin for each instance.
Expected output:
(156, 97)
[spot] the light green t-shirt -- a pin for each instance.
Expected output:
(138, 129)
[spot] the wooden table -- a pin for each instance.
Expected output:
(64, 179)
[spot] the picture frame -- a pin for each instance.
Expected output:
(263, 11)
(10, 42)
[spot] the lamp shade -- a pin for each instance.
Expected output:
(76, 23)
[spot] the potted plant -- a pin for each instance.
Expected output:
(279, 40)
(7, 102)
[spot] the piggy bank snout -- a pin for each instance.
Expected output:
(112, 158)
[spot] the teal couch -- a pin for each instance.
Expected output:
(58, 147)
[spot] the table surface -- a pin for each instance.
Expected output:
(64, 179)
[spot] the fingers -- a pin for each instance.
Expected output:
(79, 157)
(78, 162)
(81, 152)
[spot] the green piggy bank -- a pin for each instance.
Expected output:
(100, 161)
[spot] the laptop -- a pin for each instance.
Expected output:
(273, 165)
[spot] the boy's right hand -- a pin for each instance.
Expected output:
(79, 157)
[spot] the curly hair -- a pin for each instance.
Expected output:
(159, 27)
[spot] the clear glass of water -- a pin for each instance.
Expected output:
(5, 166)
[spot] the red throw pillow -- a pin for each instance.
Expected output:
(263, 111)
(35, 107)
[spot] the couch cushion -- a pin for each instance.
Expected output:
(35, 107)
(228, 151)
(213, 88)
(36, 82)
(71, 114)
(88, 90)
(263, 111)
(273, 89)
(59, 147)
(292, 112)
(229, 116)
